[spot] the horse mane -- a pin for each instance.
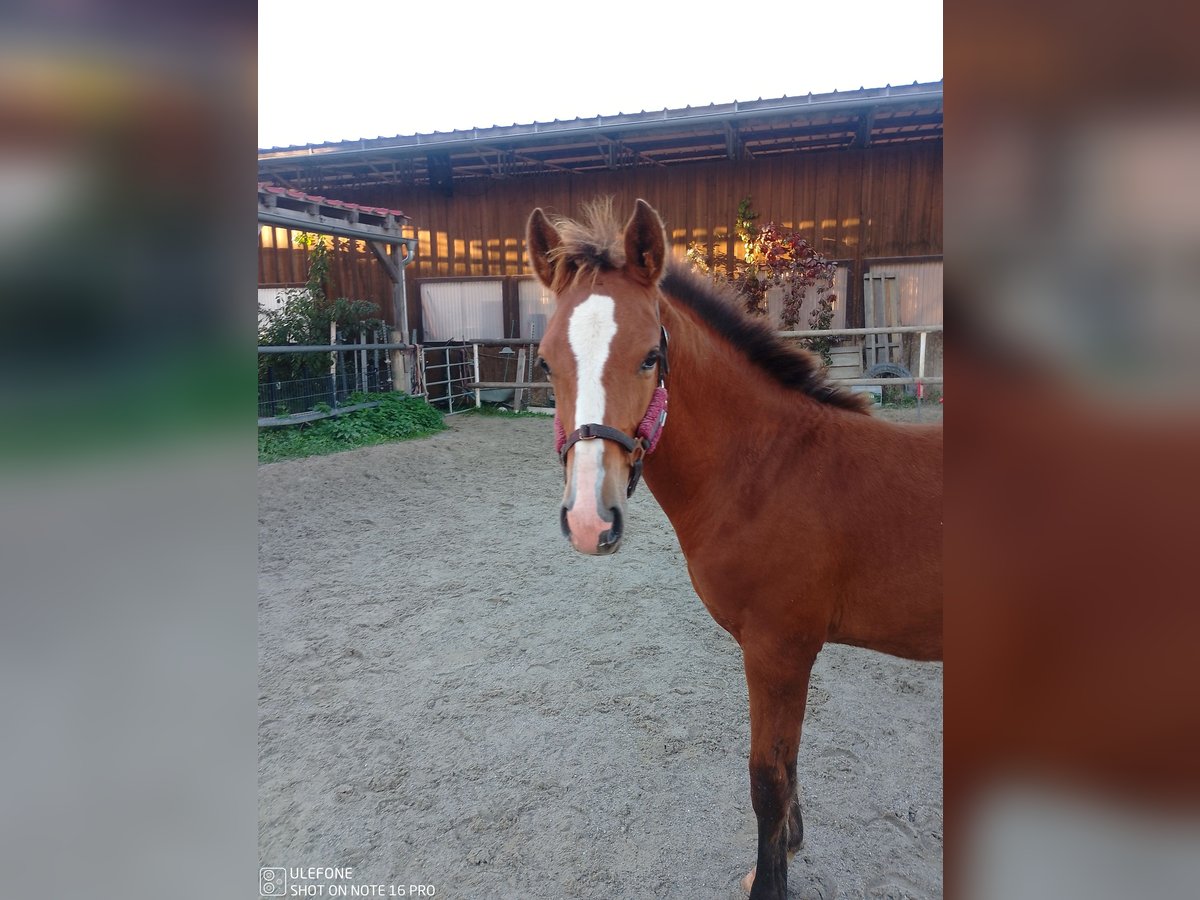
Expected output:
(591, 245)
(595, 243)
(791, 367)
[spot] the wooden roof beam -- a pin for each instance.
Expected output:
(735, 147)
(862, 134)
(611, 149)
(512, 154)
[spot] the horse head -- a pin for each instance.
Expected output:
(604, 351)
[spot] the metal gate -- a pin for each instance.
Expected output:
(446, 371)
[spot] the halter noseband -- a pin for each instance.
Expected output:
(648, 431)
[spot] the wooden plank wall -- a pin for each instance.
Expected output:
(354, 272)
(856, 204)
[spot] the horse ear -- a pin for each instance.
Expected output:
(541, 237)
(645, 244)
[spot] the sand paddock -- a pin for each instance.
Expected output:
(450, 696)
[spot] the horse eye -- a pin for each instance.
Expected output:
(545, 368)
(650, 361)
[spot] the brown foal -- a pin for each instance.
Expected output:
(803, 518)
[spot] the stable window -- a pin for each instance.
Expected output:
(462, 310)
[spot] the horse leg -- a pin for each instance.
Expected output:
(795, 820)
(778, 693)
(795, 830)
(795, 836)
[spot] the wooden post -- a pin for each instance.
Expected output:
(401, 372)
(400, 379)
(478, 392)
(375, 339)
(333, 363)
(921, 369)
(399, 292)
(362, 364)
(519, 393)
(921, 376)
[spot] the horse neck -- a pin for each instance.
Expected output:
(726, 418)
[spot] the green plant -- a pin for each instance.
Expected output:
(305, 317)
(396, 417)
(820, 319)
(774, 256)
(491, 409)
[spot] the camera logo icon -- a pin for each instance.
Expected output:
(272, 882)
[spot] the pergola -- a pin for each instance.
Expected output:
(379, 228)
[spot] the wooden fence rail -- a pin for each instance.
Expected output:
(478, 384)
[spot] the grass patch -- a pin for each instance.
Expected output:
(894, 397)
(499, 412)
(398, 417)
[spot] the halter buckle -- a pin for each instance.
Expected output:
(635, 475)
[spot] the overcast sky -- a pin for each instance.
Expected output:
(333, 71)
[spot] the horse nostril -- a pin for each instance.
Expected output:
(562, 521)
(611, 537)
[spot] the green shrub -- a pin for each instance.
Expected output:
(398, 417)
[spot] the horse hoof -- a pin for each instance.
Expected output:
(748, 881)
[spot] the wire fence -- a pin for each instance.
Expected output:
(295, 380)
(285, 398)
(301, 383)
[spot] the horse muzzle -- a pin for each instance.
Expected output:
(595, 535)
(593, 507)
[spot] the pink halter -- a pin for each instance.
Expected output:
(649, 430)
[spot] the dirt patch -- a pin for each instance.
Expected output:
(450, 696)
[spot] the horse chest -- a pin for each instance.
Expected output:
(743, 591)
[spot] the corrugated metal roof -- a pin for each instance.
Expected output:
(741, 129)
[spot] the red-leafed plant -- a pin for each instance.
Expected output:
(774, 256)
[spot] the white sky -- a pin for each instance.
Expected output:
(334, 71)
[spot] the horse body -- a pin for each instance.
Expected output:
(810, 520)
(803, 520)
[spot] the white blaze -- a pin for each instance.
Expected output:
(590, 332)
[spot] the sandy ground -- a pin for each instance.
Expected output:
(450, 696)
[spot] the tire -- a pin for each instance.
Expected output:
(892, 370)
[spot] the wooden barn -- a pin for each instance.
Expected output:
(858, 173)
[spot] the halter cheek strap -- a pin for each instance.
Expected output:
(649, 430)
